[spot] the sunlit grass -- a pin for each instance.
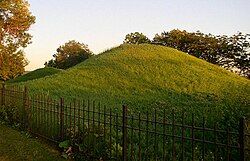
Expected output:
(150, 76)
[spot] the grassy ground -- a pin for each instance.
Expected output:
(36, 74)
(16, 146)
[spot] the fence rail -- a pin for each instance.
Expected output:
(117, 134)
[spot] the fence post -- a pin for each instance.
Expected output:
(3, 94)
(124, 133)
(61, 118)
(25, 108)
(242, 139)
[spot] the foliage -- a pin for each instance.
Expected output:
(10, 110)
(11, 64)
(136, 38)
(9, 114)
(69, 54)
(196, 44)
(89, 143)
(229, 52)
(15, 21)
(237, 53)
(36, 74)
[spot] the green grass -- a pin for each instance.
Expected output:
(16, 146)
(150, 76)
(36, 74)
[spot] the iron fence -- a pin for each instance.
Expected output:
(107, 133)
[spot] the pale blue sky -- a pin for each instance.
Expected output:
(103, 24)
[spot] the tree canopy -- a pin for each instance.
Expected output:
(197, 44)
(237, 54)
(15, 21)
(136, 38)
(69, 54)
(230, 52)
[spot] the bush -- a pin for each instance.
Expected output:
(89, 143)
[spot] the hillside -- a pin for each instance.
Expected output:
(147, 76)
(36, 74)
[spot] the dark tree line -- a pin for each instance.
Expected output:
(230, 52)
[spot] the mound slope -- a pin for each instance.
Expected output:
(146, 76)
(36, 74)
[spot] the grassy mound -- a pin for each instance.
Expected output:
(39, 73)
(150, 76)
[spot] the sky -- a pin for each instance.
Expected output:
(103, 24)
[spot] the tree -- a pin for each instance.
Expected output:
(236, 55)
(232, 53)
(197, 44)
(15, 21)
(136, 38)
(50, 63)
(11, 64)
(69, 54)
